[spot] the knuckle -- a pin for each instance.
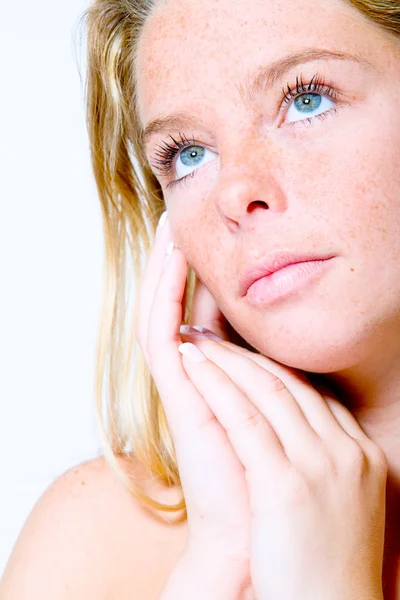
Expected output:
(354, 458)
(377, 456)
(209, 421)
(324, 464)
(276, 385)
(254, 419)
(247, 421)
(327, 466)
(298, 489)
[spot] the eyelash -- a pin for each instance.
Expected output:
(168, 152)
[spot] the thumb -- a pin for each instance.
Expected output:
(206, 313)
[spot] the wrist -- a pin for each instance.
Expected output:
(200, 575)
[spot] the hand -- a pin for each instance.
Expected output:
(212, 476)
(315, 481)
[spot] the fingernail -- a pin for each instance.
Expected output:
(200, 331)
(205, 330)
(186, 329)
(192, 352)
(161, 222)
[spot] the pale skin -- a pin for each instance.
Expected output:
(278, 478)
(270, 182)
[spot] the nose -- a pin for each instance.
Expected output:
(248, 190)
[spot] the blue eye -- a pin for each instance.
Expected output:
(305, 105)
(308, 102)
(189, 158)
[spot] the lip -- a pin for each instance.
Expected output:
(272, 264)
(286, 282)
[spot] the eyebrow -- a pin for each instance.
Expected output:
(261, 79)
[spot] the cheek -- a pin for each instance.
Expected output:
(194, 230)
(196, 241)
(356, 186)
(373, 209)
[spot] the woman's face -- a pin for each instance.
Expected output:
(318, 174)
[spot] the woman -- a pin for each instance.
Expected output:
(269, 135)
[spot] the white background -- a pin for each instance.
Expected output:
(51, 257)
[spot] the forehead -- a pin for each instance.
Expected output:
(198, 52)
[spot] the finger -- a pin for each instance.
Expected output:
(350, 424)
(252, 436)
(185, 409)
(162, 346)
(205, 311)
(270, 395)
(202, 447)
(320, 413)
(149, 282)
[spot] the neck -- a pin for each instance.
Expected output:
(371, 392)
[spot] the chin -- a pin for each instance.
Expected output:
(313, 353)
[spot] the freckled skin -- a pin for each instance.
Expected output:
(271, 183)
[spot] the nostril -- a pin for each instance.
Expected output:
(257, 203)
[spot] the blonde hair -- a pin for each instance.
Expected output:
(131, 417)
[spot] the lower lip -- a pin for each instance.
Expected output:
(285, 281)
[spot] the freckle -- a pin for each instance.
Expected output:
(83, 483)
(351, 269)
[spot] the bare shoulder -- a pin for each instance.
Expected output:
(87, 538)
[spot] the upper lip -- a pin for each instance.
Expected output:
(274, 262)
